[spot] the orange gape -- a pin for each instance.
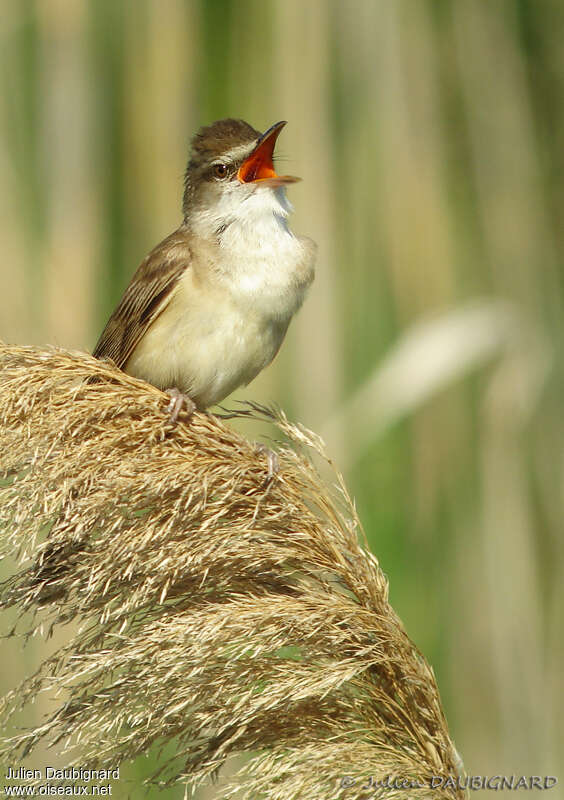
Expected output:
(259, 165)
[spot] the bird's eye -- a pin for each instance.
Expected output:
(220, 170)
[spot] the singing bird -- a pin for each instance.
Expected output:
(209, 306)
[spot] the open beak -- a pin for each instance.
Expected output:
(258, 167)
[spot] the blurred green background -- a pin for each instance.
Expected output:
(430, 137)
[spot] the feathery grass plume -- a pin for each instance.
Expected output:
(215, 608)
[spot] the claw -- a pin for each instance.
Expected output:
(177, 401)
(271, 460)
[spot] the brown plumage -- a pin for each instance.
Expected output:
(219, 137)
(148, 293)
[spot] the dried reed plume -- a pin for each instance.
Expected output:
(216, 609)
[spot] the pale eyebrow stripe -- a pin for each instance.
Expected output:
(240, 151)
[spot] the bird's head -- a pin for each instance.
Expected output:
(232, 163)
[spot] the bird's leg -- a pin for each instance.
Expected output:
(177, 400)
(271, 460)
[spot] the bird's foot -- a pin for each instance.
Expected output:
(177, 401)
(271, 461)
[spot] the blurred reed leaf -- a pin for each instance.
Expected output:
(434, 353)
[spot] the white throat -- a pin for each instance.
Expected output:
(259, 255)
(240, 205)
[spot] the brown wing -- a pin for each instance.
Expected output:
(147, 294)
